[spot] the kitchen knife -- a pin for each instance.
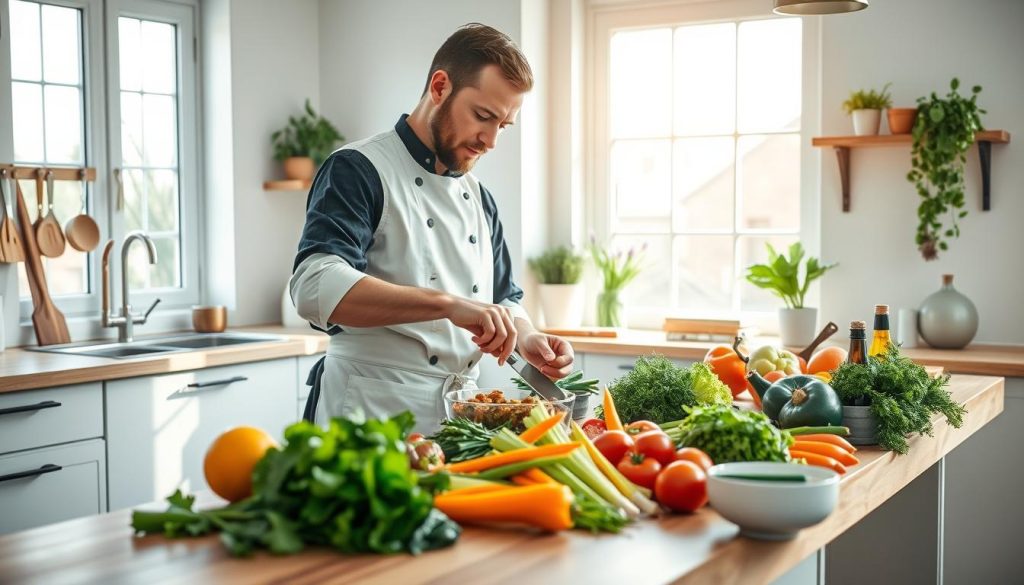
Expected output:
(534, 379)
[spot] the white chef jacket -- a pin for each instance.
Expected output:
(429, 231)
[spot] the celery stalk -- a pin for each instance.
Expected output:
(632, 491)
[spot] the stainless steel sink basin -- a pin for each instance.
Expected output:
(159, 345)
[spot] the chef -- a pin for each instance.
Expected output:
(402, 258)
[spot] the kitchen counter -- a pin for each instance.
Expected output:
(699, 548)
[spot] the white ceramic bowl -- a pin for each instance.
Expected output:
(772, 510)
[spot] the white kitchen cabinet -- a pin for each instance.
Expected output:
(51, 416)
(52, 484)
(159, 427)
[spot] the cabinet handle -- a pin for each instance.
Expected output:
(48, 468)
(223, 382)
(30, 407)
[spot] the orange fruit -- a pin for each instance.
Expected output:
(826, 360)
(232, 457)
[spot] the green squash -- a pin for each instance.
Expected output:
(797, 401)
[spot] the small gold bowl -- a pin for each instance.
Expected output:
(212, 319)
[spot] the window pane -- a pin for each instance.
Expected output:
(61, 45)
(134, 200)
(703, 184)
(163, 274)
(652, 287)
(160, 144)
(64, 125)
(131, 128)
(641, 185)
(705, 79)
(769, 75)
(162, 200)
(67, 274)
(129, 53)
(27, 101)
(769, 181)
(752, 250)
(26, 62)
(641, 83)
(158, 50)
(703, 267)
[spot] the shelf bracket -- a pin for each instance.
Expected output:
(843, 156)
(985, 154)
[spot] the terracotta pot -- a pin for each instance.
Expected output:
(299, 167)
(901, 120)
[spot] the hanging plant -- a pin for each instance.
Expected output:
(943, 133)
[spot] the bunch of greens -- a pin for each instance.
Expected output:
(571, 383)
(348, 486)
(868, 100)
(462, 439)
(309, 135)
(560, 265)
(727, 434)
(659, 391)
(901, 394)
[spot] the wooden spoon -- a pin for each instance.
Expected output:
(10, 243)
(48, 233)
(82, 232)
(828, 331)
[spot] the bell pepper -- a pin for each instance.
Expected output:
(797, 401)
(730, 365)
(768, 359)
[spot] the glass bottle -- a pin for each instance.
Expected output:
(880, 340)
(858, 353)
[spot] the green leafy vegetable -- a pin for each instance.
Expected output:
(901, 394)
(462, 439)
(571, 383)
(707, 387)
(348, 486)
(727, 434)
(658, 390)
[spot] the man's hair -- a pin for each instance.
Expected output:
(475, 46)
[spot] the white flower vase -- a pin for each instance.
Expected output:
(866, 122)
(562, 305)
(289, 316)
(798, 326)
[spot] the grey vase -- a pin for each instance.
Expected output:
(947, 319)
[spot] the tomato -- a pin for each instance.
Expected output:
(695, 455)
(414, 438)
(655, 444)
(641, 426)
(774, 376)
(613, 445)
(593, 428)
(682, 486)
(643, 471)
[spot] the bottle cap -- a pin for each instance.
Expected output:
(947, 279)
(881, 309)
(858, 325)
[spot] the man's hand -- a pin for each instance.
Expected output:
(492, 326)
(552, 355)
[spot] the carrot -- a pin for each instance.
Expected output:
(611, 416)
(537, 475)
(834, 439)
(544, 506)
(478, 489)
(522, 480)
(516, 456)
(534, 433)
(819, 460)
(828, 450)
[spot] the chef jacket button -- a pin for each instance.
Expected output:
(465, 196)
(426, 160)
(470, 364)
(419, 182)
(433, 360)
(430, 222)
(476, 288)
(472, 239)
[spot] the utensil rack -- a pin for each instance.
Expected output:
(59, 173)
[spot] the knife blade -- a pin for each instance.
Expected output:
(535, 379)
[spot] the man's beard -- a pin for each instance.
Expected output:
(442, 133)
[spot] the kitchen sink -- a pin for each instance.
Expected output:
(159, 345)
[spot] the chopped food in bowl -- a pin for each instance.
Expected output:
(494, 408)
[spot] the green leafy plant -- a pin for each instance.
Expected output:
(617, 268)
(659, 391)
(781, 275)
(901, 395)
(942, 134)
(560, 265)
(868, 100)
(306, 135)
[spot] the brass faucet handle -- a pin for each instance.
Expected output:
(107, 285)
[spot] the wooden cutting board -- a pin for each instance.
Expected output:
(48, 321)
(582, 332)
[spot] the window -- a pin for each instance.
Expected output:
(110, 84)
(698, 153)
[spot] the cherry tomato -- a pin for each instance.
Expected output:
(641, 426)
(643, 471)
(695, 455)
(593, 428)
(682, 486)
(655, 444)
(613, 445)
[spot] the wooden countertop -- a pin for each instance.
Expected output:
(989, 360)
(699, 548)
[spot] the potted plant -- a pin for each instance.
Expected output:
(866, 108)
(561, 294)
(781, 276)
(943, 132)
(618, 269)
(901, 120)
(305, 143)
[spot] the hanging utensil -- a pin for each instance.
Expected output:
(48, 321)
(48, 233)
(82, 232)
(10, 243)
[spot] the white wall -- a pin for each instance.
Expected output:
(919, 45)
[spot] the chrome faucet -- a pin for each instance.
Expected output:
(126, 320)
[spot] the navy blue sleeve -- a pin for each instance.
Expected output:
(343, 210)
(504, 286)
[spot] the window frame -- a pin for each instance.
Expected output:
(604, 19)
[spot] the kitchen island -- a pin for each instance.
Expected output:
(699, 548)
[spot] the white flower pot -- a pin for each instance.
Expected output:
(866, 122)
(798, 326)
(562, 305)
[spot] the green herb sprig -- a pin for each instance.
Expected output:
(571, 383)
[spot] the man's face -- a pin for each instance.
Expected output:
(467, 123)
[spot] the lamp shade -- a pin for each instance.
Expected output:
(811, 7)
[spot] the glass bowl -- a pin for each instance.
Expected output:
(485, 407)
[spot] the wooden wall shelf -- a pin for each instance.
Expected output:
(843, 144)
(287, 185)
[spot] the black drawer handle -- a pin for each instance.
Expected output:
(223, 382)
(48, 468)
(30, 407)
